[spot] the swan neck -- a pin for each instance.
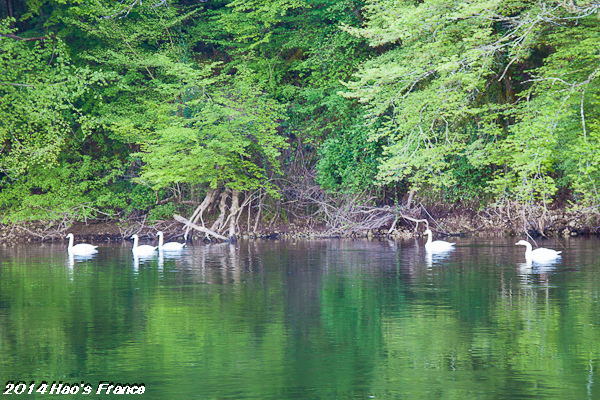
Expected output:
(528, 249)
(70, 242)
(135, 242)
(429, 238)
(160, 240)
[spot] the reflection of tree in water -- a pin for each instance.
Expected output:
(310, 318)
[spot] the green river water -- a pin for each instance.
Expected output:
(330, 319)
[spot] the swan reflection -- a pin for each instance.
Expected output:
(532, 268)
(142, 258)
(79, 258)
(438, 256)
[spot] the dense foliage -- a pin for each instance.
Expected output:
(109, 108)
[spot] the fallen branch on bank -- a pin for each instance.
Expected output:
(187, 223)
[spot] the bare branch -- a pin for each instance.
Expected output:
(127, 9)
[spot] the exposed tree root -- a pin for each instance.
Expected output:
(308, 210)
(205, 205)
(218, 224)
(234, 210)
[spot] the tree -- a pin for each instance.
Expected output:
(39, 93)
(482, 82)
(224, 136)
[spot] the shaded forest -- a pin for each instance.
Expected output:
(341, 115)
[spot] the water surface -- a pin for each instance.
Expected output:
(330, 319)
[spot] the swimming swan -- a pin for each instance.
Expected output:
(143, 249)
(437, 245)
(541, 254)
(82, 249)
(171, 246)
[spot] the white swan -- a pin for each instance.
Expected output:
(171, 246)
(82, 249)
(437, 245)
(539, 255)
(143, 249)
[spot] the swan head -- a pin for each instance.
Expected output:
(522, 243)
(427, 232)
(70, 236)
(134, 236)
(159, 233)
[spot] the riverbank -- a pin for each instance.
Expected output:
(509, 220)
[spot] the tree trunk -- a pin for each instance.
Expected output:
(223, 209)
(410, 198)
(10, 10)
(233, 211)
(257, 218)
(197, 215)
